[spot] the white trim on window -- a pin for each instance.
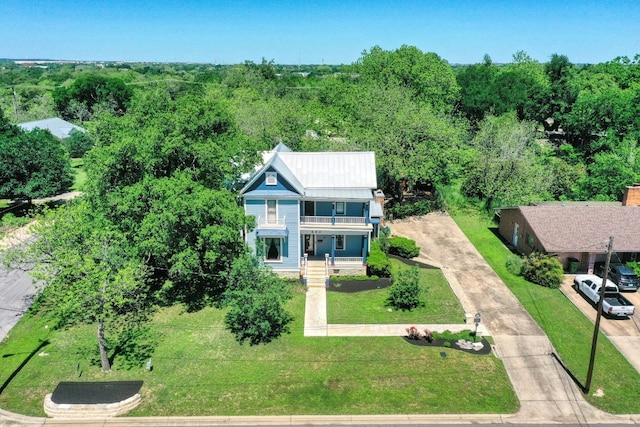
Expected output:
(273, 249)
(271, 178)
(272, 211)
(342, 209)
(341, 242)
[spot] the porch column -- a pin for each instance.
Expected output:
(365, 247)
(333, 213)
(333, 250)
(366, 214)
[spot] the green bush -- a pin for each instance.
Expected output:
(420, 207)
(10, 221)
(403, 247)
(543, 270)
(404, 294)
(466, 334)
(514, 264)
(635, 265)
(377, 262)
(351, 278)
(383, 241)
(77, 144)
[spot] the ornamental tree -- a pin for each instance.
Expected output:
(256, 297)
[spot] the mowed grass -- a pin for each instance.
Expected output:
(568, 329)
(199, 369)
(79, 175)
(369, 307)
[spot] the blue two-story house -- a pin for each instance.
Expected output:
(313, 205)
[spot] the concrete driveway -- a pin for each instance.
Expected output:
(546, 392)
(624, 333)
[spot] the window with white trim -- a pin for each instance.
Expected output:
(272, 249)
(340, 240)
(271, 178)
(339, 208)
(272, 212)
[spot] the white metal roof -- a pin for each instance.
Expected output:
(375, 210)
(339, 193)
(58, 127)
(332, 169)
(331, 175)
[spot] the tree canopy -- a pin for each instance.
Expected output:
(34, 164)
(91, 93)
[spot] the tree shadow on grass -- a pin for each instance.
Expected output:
(43, 343)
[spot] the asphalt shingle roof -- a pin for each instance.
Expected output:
(585, 228)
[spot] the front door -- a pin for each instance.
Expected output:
(309, 244)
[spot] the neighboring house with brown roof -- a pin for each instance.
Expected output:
(576, 230)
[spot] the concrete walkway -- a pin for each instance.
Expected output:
(315, 315)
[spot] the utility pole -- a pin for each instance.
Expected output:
(596, 329)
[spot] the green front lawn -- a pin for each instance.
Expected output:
(79, 175)
(200, 370)
(568, 329)
(441, 305)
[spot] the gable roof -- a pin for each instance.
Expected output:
(347, 175)
(332, 170)
(584, 228)
(59, 128)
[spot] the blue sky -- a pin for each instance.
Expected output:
(315, 32)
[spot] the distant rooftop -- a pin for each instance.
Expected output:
(59, 128)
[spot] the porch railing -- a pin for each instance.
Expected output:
(274, 224)
(305, 268)
(327, 276)
(355, 220)
(341, 260)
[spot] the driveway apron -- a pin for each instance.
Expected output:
(546, 392)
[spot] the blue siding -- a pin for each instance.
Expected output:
(255, 208)
(351, 208)
(323, 244)
(260, 184)
(353, 246)
(324, 208)
(355, 209)
(288, 209)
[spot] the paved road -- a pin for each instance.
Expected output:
(16, 290)
(16, 286)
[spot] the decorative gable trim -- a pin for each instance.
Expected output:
(271, 178)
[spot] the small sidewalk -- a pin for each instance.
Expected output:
(315, 317)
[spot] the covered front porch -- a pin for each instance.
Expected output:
(344, 248)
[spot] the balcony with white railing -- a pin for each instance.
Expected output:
(272, 223)
(341, 220)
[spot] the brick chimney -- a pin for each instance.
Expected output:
(632, 195)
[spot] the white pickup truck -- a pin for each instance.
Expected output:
(614, 304)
